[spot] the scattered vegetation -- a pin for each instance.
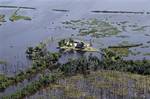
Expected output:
(121, 51)
(2, 19)
(42, 59)
(146, 54)
(4, 81)
(134, 27)
(139, 67)
(142, 28)
(3, 62)
(110, 61)
(99, 83)
(44, 81)
(122, 12)
(16, 17)
(72, 92)
(66, 42)
(93, 27)
(17, 7)
(126, 46)
(60, 10)
(81, 65)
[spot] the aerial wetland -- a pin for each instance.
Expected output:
(89, 49)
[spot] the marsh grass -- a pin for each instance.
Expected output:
(93, 27)
(141, 28)
(17, 7)
(72, 92)
(106, 74)
(16, 17)
(44, 81)
(41, 61)
(121, 51)
(3, 62)
(116, 83)
(2, 19)
(60, 10)
(4, 82)
(146, 54)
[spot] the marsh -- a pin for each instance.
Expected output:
(83, 21)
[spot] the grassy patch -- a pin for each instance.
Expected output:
(16, 17)
(147, 54)
(17, 7)
(4, 81)
(140, 29)
(2, 19)
(3, 62)
(44, 81)
(102, 84)
(92, 27)
(116, 82)
(60, 10)
(121, 51)
(72, 92)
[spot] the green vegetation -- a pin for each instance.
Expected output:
(44, 81)
(60, 10)
(134, 27)
(115, 62)
(121, 79)
(121, 51)
(126, 45)
(66, 42)
(110, 61)
(40, 53)
(3, 62)
(42, 59)
(92, 27)
(4, 81)
(122, 12)
(17, 7)
(72, 92)
(2, 19)
(116, 83)
(81, 65)
(16, 17)
(75, 45)
(146, 54)
(142, 28)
